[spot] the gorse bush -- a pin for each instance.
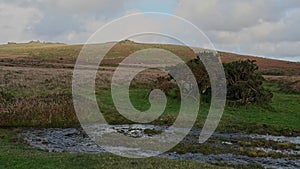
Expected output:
(244, 83)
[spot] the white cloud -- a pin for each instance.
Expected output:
(79, 6)
(268, 27)
(232, 15)
(71, 21)
(17, 22)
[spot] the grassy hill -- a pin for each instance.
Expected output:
(63, 53)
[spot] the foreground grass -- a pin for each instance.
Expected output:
(282, 113)
(14, 155)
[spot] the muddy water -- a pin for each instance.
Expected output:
(75, 141)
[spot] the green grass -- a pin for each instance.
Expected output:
(14, 155)
(281, 117)
(282, 112)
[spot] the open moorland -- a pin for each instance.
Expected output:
(36, 95)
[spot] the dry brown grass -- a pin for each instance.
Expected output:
(267, 66)
(51, 110)
(41, 96)
(286, 83)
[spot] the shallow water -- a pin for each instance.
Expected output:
(75, 140)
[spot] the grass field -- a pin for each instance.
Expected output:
(50, 107)
(278, 118)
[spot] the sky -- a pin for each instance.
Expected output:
(268, 28)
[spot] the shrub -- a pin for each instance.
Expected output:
(244, 83)
(170, 87)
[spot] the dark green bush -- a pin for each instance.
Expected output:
(244, 84)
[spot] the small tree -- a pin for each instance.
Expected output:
(168, 84)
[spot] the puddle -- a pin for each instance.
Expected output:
(75, 141)
(294, 140)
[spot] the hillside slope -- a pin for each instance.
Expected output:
(58, 54)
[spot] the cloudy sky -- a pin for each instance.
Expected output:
(269, 28)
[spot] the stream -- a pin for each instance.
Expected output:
(74, 140)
